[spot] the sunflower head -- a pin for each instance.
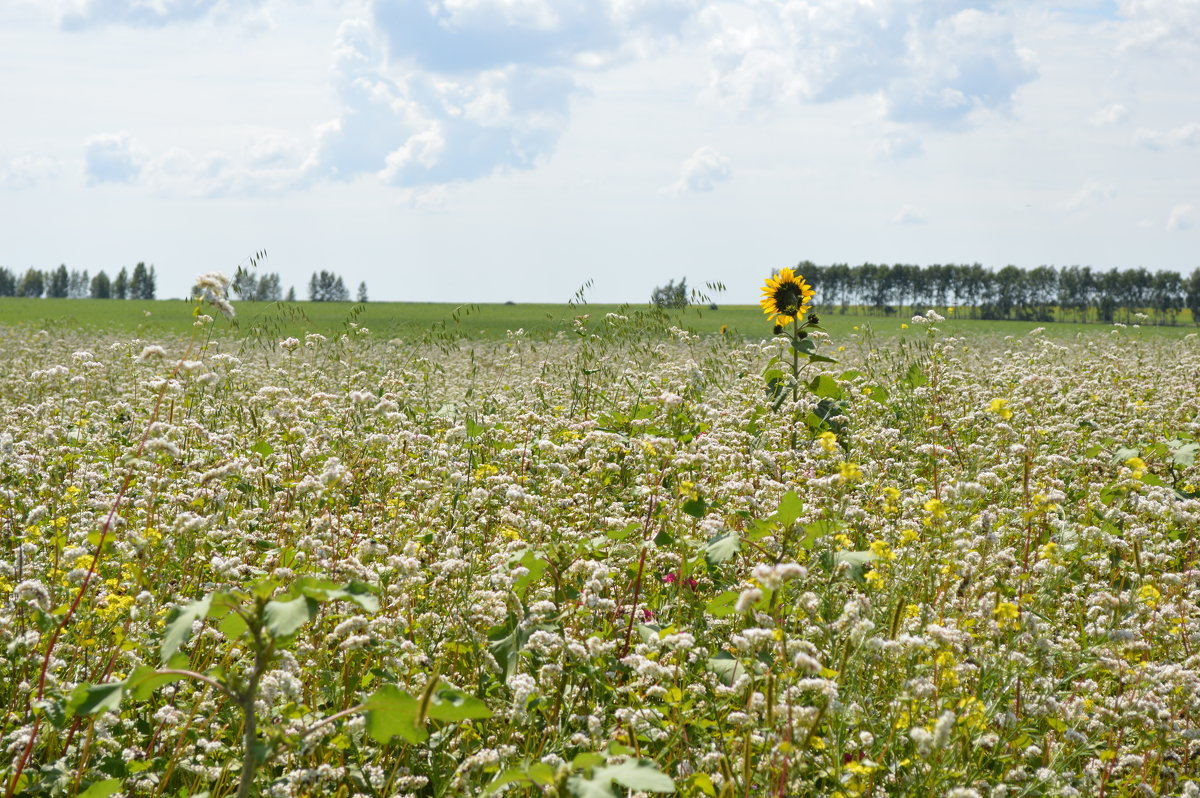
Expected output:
(786, 297)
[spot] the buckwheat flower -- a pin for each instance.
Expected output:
(747, 599)
(33, 593)
(942, 729)
(152, 351)
(921, 737)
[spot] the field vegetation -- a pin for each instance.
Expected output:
(348, 556)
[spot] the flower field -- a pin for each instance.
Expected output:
(628, 560)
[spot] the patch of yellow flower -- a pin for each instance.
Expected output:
(1000, 408)
(1137, 465)
(1007, 615)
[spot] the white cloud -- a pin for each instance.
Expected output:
(896, 145)
(1181, 218)
(933, 63)
(473, 35)
(701, 173)
(1091, 193)
(84, 14)
(110, 158)
(1183, 136)
(1171, 26)
(421, 128)
(1109, 115)
(910, 214)
(26, 171)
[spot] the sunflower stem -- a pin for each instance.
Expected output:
(795, 378)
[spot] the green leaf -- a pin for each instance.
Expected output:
(721, 548)
(1124, 453)
(538, 773)
(825, 386)
(391, 712)
(724, 665)
(641, 775)
(101, 789)
(506, 645)
(1184, 455)
(624, 532)
(474, 430)
(722, 604)
(262, 448)
(585, 760)
(878, 393)
(95, 698)
(696, 508)
(587, 788)
(179, 625)
(915, 378)
(855, 557)
(143, 681)
(450, 705)
(232, 626)
(790, 508)
(534, 563)
(284, 618)
(354, 591)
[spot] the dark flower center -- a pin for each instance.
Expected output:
(787, 299)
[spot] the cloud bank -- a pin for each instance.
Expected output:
(701, 173)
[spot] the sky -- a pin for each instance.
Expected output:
(511, 150)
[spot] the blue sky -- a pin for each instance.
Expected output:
(492, 150)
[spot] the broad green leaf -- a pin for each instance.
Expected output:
(284, 618)
(721, 548)
(722, 604)
(790, 508)
(538, 773)
(825, 386)
(1184, 455)
(535, 564)
(542, 773)
(640, 775)
(696, 508)
(262, 448)
(327, 590)
(724, 665)
(101, 789)
(95, 698)
(624, 532)
(702, 782)
(506, 645)
(1124, 453)
(179, 625)
(145, 680)
(580, 787)
(232, 626)
(391, 712)
(915, 378)
(449, 705)
(585, 760)
(855, 557)
(878, 393)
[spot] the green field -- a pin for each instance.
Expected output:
(415, 320)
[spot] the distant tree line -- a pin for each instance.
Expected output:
(74, 284)
(326, 286)
(1070, 293)
(267, 288)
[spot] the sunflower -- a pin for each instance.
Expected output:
(786, 297)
